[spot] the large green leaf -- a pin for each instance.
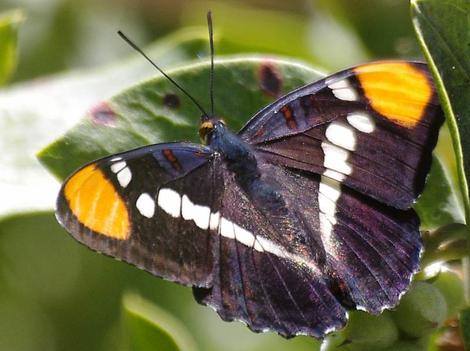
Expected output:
(150, 328)
(143, 115)
(34, 113)
(444, 33)
(9, 23)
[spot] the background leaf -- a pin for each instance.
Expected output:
(439, 204)
(443, 30)
(319, 38)
(383, 27)
(465, 327)
(141, 115)
(34, 113)
(58, 295)
(9, 24)
(149, 328)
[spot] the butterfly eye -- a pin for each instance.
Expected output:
(204, 130)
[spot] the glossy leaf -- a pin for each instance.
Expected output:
(443, 30)
(9, 24)
(148, 327)
(155, 111)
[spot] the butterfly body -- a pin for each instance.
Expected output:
(302, 215)
(236, 154)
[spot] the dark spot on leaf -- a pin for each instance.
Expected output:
(103, 115)
(270, 80)
(171, 100)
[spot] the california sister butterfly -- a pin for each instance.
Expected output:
(301, 215)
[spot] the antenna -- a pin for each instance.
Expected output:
(211, 42)
(139, 50)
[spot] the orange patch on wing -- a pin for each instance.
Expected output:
(94, 201)
(397, 90)
(172, 159)
(289, 117)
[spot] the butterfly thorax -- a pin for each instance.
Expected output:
(237, 155)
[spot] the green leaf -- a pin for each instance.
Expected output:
(314, 36)
(148, 327)
(444, 33)
(383, 26)
(139, 115)
(33, 114)
(439, 204)
(9, 23)
(465, 327)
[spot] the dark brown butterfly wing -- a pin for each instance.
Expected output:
(140, 207)
(371, 127)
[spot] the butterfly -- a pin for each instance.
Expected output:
(303, 214)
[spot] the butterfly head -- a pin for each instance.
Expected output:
(208, 126)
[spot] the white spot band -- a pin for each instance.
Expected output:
(145, 205)
(361, 121)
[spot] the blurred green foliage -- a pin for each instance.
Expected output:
(9, 23)
(57, 295)
(145, 325)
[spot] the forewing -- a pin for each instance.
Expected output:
(372, 127)
(135, 206)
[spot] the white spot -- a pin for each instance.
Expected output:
(330, 188)
(115, 159)
(336, 158)
(214, 221)
(326, 227)
(361, 121)
(244, 236)
(199, 214)
(186, 208)
(327, 206)
(343, 90)
(258, 246)
(202, 216)
(145, 205)
(124, 177)
(342, 135)
(118, 166)
(268, 246)
(329, 192)
(169, 201)
(334, 175)
(226, 229)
